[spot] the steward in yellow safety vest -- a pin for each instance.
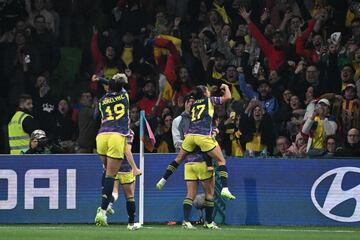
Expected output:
(21, 125)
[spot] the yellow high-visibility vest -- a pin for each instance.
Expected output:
(19, 140)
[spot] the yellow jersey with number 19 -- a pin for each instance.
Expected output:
(114, 109)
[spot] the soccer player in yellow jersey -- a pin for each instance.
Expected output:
(199, 135)
(112, 137)
(126, 177)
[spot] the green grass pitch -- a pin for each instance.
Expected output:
(162, 232)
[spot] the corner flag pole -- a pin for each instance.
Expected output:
(141, 182)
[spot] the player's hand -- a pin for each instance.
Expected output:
(223, 87)
(137, 172)
(160, 184)
(94, 78)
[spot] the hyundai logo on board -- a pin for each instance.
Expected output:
(336, 194)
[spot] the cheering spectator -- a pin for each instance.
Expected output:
(66, 129)
(257, 130)
(232, 142)
(346, 109)
(107, 65)
(269, 103)
(293, 124)
(275, 51)
(196, 61)
(182, 85)
(318, 127)
(149, 103)
(45, 106)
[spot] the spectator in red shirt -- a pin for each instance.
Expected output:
(149, 100)
(275, 51)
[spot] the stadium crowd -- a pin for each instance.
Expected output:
(292, 66)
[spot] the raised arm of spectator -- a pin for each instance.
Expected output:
(176, 28)
(203, 56)
(300, 41)
(96, 54)
(321, 17)
(264, 44)
(285, 21)
(305, 35)
(307, 126)
(245, 89)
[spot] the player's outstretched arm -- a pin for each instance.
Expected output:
(99, 79)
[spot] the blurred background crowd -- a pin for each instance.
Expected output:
(293, 68)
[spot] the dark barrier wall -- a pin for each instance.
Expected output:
(66, 189)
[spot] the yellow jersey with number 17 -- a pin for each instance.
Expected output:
(114, 109)
(202, 112)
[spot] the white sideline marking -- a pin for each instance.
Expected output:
(294, 230)
(271, 230)
(224, 229)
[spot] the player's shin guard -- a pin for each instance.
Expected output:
(107, 192)
(187, 205)
(223, 175)
(209, 208)
(170, 169)
(130, 208)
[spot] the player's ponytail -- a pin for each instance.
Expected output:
(199, 92)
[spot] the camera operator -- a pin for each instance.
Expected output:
(40, 144)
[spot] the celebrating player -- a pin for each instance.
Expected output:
(199, 135)
(112, 137)
(195, 170)
(126, 177)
